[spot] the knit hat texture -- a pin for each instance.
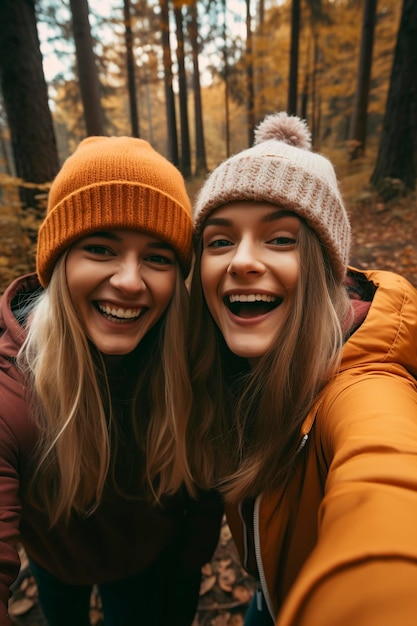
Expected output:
(281, 169)
(115, 183)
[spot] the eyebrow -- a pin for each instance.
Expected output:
(160, 244)
(218, 221)
(276, 215)
(105, 234)
(268, 217)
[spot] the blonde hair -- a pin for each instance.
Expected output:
(71, 403)
(246, 423)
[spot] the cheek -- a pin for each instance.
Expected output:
(291, 272)
(80, 273)
(76, 276)
(166, 289)
(208, 280)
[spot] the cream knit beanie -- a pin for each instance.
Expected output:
(115, 183)
(281, 169)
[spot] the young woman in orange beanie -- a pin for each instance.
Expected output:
(305, 391)
(95, 397)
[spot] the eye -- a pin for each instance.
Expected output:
(283, 241)
(160, 259)
(96, 248)
(218, 243)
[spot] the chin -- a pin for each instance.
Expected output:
(247, 353)
(114, 351)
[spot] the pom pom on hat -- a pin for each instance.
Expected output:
(291, 130)
(115, 183)
(281, 169)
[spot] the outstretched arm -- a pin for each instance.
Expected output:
(363, 569)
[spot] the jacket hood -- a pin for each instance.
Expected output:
(388, 333)
(13, 303)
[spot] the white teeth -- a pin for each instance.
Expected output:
(126, 314)
(252, 297)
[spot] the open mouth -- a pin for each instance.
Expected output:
(118, 314)
(251, 305)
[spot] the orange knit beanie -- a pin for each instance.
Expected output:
(115, 183)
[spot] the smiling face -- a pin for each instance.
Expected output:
(249, 272)
(120, 283)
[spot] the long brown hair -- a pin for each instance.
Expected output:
(246, 422)
(70, 398)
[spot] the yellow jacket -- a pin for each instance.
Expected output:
(339, 547)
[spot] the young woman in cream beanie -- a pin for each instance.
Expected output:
(305, 413)
(95, 397)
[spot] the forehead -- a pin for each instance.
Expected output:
(263, 212)
(128, 236)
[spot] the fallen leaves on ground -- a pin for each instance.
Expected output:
(384, 236)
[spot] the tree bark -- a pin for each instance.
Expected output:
(130, 64)
(250, 102)
(226, 82)
(293, 73)
(397, 155)
(357, 131)
(87, 69)
(261, 62)
(25, 97)
(201, 164)
(185, 161)
(169, 92)
(315, 112)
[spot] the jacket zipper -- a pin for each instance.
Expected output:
(261, 586)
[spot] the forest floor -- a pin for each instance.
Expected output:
(384, 237)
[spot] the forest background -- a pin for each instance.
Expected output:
(194, 78)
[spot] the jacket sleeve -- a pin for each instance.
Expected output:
(10, 460)
(9, 523)
(201, 530)
(195, 547)
(363, 569)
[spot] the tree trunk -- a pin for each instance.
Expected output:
(397, 155)
(169, 92)
(130, 64)
(87, 69)
(5, 152)
(250, 103)
(261, 62)
(315, 113)
(201, 165)
(293, 73)
(185, 161)
(26, 97)
(305, 92)
(226, 82)
(357, 131)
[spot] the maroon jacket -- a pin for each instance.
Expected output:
(121, 538)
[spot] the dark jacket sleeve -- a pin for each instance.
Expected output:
(9, 518)
(201, 529)
(16, 444)
(196, 546)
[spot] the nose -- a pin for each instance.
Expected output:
(246, 259)
(127, 277)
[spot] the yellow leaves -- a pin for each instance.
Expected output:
(7, 181)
